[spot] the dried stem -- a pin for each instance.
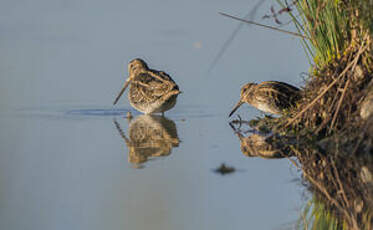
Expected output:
(265, 26)
(339, 105)
(350, 65)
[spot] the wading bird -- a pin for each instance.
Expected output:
(151, 91)
(269, 96)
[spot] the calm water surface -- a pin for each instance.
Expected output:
(64, 163)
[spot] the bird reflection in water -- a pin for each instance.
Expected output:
(261, 145)
(149, 136)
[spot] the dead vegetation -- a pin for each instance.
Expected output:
(333, 95)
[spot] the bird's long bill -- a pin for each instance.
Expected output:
(236, 107)
(122, 91)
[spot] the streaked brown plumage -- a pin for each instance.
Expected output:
(149, 136)
(151, 91)
(257, 145)
(269, 96)
(262, 145)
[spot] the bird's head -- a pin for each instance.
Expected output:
(136, 66)
(245, 91)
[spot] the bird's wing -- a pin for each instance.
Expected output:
(281, 86)
(279, 94)
(168, 79)
(152, 85)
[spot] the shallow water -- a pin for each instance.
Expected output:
(64, 164)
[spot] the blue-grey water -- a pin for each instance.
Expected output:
(65, 165)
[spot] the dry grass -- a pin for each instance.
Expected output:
(332, 96)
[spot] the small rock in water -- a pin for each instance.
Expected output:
(358, 73)
(129, 115)
(366, 109)
(366, 175)
(358, 204)
(223, 169)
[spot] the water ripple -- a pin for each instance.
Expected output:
(98, 112)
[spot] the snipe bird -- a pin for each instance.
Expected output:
(151, 91)
(263, 145)
(149, 136)
(257, 145)
(268, 96)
